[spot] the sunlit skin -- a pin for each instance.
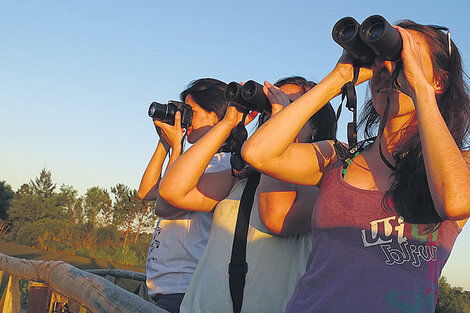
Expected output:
(170, 140)
(271, 150)
(282, 204)
(185, 185)
(202, 121)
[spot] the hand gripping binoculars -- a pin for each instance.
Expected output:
(166, 112)
(248, 97)
(374, 37)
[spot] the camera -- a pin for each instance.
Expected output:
(249, 97)
(374, 37)
(166, 112)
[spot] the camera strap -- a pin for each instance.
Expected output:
(238, 267)
(348, 91)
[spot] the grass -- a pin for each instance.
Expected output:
(31, 253)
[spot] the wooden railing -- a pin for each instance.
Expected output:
(81, 291)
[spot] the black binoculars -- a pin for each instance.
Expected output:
(374, 37)
(249, 97)
(166, 112)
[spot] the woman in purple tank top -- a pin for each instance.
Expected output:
(384, 228)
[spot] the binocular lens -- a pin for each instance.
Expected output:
(249, 90)
(381, 37)
(345, 30)
(347, 33)
(232, 91)
(374, 32)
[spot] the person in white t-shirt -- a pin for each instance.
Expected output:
(180, 236)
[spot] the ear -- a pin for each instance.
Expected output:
(213, 118)
(440, 83)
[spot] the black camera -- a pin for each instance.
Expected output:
(166, 112)
(249, 97)
(374, 37)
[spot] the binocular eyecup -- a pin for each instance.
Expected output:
(166, 112)
(248, 97)
(374, 37)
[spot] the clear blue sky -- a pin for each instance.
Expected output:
(76, 77)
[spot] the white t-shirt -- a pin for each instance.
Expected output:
(178, 244)
(275, 264)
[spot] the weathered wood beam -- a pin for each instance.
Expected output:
(93, 292)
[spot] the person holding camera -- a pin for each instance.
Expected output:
(267, 288)
(386, 219)
(180, 236)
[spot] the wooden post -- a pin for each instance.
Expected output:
(39, 297)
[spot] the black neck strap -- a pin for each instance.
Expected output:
(238, 266)
(348, 91)
(383, 120)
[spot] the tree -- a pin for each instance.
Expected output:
(6, 194)
(97, 201)
(43, 185)
(144, 214)
(124, 210)
(451, 299)
(70, 203)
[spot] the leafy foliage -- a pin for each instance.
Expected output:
(452, 299)
(43, 216)
(6, 194)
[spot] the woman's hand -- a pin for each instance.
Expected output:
(170, 135)
(233, 117)
(344, 68)
(414, 74)
(276, 96)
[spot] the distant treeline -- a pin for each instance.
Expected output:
(95, 225)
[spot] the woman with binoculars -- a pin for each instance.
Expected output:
(385, 221)
(181, 236)
(185, 185)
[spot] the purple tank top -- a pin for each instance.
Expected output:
(367, 259)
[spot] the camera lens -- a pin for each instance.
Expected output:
(158, 111)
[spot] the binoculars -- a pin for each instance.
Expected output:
(166, 112)
(249, 97)
(374, 37)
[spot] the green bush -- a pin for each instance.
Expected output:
(84, 252)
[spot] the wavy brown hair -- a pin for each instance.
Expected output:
(409, 193)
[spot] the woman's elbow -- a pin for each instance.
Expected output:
(453, 206)
(458, 211)
(251, 155)
(166, 192)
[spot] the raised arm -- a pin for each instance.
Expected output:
(446, 166)
(170, 140)
(271, 149)
(185, 185)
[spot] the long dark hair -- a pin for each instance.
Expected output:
(209, 94)
(325, 119)
(409, 194)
